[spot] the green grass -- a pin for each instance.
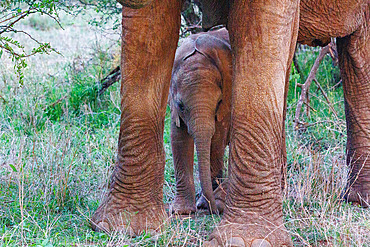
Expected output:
(58, 144)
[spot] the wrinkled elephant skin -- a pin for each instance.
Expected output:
(135, 4)
(200, 95)
(263, 36)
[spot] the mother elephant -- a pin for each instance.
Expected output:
(263, 35)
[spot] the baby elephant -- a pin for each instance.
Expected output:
(200, 98)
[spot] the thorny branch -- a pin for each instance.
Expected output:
(304, 97)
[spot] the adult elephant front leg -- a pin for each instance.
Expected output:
(263, 35)
(354, 58)
(134, 202)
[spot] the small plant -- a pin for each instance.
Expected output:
(14, 11)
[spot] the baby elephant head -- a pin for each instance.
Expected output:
(201, 82)
(200, 93)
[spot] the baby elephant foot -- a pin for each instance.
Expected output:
(220, 195)
(249, 235)
(115, 215)
(203, 204)
(183, 206)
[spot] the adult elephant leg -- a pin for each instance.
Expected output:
(183, 157)
(354, 57)
(218, 145)
(134, 201)
(263, 35)
(135, 4)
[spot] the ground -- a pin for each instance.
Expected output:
(58, 144)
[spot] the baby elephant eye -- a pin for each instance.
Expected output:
(181, 106)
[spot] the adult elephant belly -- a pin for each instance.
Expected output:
(322, 20)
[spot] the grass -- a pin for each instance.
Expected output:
(58, 146)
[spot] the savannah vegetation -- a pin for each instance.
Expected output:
(58, 138)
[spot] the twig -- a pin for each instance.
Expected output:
(56, 102)
(318, 122)
(305, 87)
(339, 82)
(56, 19)
(296, 66)
(20, 18)
(14, 16)
(333, 52)
(193, 27)
(326, 97)
(1, 97)
(24, 32)
(110, 79)
(308, 106)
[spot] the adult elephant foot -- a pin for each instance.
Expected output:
(115, 215)
(358, 196)
(260, 233)
(358, 188)
(183, 206)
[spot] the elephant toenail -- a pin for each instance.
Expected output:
(260, 243)
(212, 243)
(125, 230)
(235, 242)
(102, 227)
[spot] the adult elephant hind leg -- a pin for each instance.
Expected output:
(263, 36)
(134, 201)
(354, 58)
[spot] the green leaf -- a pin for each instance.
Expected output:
(13, 167)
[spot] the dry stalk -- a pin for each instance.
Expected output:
(21, 189)
(304, 98)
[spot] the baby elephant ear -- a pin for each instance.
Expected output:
(174, 114)
(177, 119)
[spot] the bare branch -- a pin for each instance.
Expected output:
(24, 32)
(336, 85)
(53, 17)
(303, 99)
(110, 79)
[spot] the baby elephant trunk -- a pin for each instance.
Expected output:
(203, 146)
